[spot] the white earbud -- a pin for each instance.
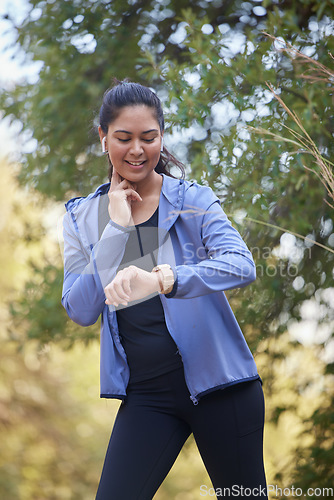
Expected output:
(162, 144)
(104, 145)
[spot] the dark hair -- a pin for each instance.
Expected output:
(127, 93)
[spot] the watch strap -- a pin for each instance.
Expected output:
(167, 277)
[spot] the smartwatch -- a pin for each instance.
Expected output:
(166, 279)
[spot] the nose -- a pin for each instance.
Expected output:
(136, 148)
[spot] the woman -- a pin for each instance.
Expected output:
(153, 255)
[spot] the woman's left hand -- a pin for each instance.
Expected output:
(129, 284)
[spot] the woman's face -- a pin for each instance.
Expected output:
(133, 143)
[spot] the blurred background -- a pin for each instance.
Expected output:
(247, 87)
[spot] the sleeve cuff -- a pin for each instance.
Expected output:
(120, 228)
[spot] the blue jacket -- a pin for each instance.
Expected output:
(207, 256)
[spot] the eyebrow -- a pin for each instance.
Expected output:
(145, 132)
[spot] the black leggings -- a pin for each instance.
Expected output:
(154, 423)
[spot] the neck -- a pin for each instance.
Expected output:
(150, 186)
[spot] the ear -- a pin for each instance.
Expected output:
(103, 139)
(162, 143)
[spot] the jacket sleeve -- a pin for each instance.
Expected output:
(87, 272)
(225, 261)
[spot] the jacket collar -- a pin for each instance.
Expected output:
(171, 201)
(173, 190)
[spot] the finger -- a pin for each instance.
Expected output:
(127, 286)
(125, 184)
(116, 179)
(115, 303)
(122, 289)
(118, 292)
(132, 194)
(109, 295)
(130, 273)
(120, 185)
(115, 290)
(113, 298)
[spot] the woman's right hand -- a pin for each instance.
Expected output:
(121, 195)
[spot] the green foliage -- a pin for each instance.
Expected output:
(264, 181)
(314, 465)
(52, 437)
(44, 317)
(82, 47)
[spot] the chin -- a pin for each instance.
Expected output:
(136, 175)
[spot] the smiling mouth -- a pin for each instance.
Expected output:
(135, 163)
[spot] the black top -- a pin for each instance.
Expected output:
(150, 349)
